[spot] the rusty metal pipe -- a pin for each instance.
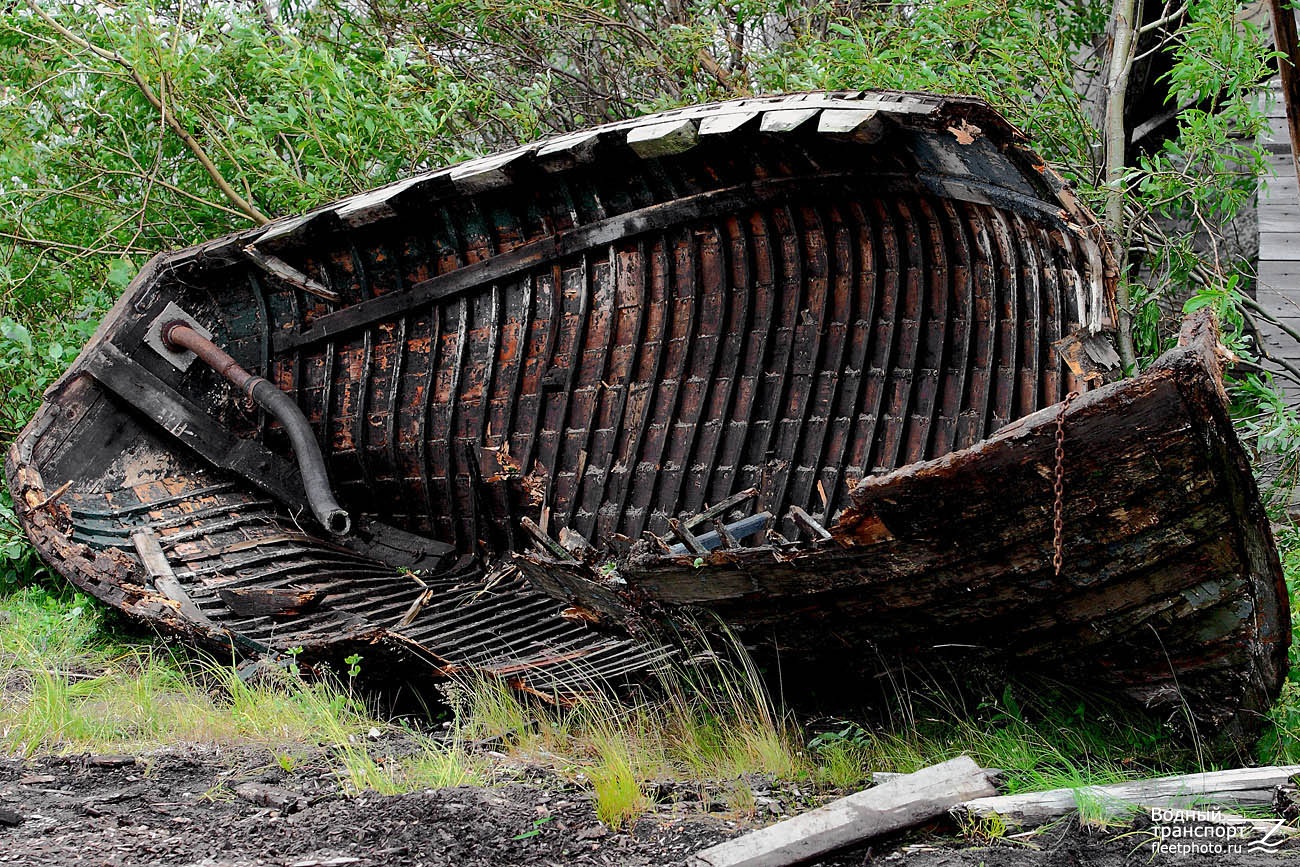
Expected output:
(178, 335)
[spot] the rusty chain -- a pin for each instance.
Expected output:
(1058, 524)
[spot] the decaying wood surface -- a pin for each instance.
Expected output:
(599, 333)
(1170, 592)
(903, 802)
(1235, 788)
(800, 320)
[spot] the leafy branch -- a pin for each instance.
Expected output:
(167, 115)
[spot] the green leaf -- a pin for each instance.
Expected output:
(120, 272)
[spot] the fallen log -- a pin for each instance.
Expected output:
(1234, 788)
(893, 806)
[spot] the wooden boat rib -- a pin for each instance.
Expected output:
(811, 297)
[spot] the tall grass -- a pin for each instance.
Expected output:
(708, 718)
(72, 688)
(1039, 734)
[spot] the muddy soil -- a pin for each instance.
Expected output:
(179, 808)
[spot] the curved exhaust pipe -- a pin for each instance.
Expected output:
(177, 336)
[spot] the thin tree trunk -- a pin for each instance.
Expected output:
(1116, 140)
(1284, 37)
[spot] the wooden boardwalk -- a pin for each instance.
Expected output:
(1278, 287)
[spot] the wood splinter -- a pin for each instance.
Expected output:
(720, 508)
(545, 542)
(53, 498)
(689, 539)
(809, 523)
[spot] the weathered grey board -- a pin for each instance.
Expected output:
(1239, 787)
(900, 803)
(1278, 287)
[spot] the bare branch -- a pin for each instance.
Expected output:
(1171, 18)
(147, 91)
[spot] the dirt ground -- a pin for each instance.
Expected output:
(179, 808)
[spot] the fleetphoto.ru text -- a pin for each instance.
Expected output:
(1198, 832)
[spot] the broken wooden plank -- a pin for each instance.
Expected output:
(149, 550)
(1235, 788)
(724, 535)
(737, 529)
(689, 539)
(898, 804)
(415, 608)
(270, 601)
(720, 508)
(809, 523)
(277, 267)
(575, 543)
(544, 542)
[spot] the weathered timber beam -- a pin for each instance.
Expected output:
(1239, 787)
(720, 508)
(277, 267)
(155, 563)
(893, 806)
(1288, 46)
(737, 530)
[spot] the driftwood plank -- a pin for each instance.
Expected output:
(271, 796)
(1239, 787)
(900, 803)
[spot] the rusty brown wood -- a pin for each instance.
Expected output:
(593, 342)
(630, 282)
(933, 337)
(640, 336)
(714, 402)
(1028, 384)
(1051, 321)
(979, 395)
(862, 275)
(962, 331)
(931, 510)
(686, 493)
(658, 299)
(751, 362)
(814, 264)
(710, 456)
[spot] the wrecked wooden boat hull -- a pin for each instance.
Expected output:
(342, 432)
(1168, 592)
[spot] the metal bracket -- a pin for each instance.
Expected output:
(179, 359)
